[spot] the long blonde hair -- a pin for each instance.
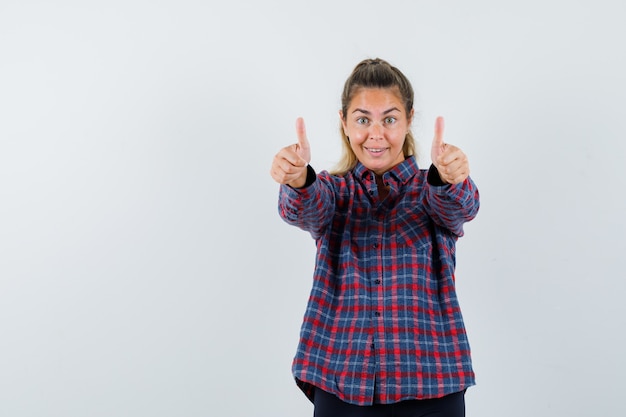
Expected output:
(372, 73)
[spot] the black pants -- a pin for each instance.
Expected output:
(328, 405)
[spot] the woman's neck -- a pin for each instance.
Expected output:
(383, 190)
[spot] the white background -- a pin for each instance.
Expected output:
(144, 270)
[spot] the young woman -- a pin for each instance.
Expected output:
(383, 332)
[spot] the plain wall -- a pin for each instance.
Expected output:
(144, 270)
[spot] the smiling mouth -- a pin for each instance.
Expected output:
(376, 150)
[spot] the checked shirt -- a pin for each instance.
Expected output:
(383, 323)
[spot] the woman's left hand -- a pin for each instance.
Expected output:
(450, 161)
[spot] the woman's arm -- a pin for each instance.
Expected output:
(452, 197)
(451, 205)
(311, 207)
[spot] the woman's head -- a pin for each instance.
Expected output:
(376, 114)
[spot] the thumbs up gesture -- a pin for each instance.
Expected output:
(290, 163)
(449, 160)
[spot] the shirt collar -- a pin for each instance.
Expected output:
(401, 173)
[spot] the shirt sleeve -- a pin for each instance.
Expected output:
(311, 207)
(451, 205)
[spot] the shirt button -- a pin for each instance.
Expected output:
(377, 281)
(371, 192)
(375, 245)
(377, 313)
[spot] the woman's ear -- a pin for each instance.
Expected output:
(343, 123)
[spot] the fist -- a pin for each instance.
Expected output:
(289, 166)
(449, 160)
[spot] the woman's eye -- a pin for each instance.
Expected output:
(390, 120)
(362, 120)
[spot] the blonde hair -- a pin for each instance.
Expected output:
(372, 73)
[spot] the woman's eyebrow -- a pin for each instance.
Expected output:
(357, 110)
(368, 112)
(391, 110)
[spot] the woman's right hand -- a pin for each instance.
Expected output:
(289, 166)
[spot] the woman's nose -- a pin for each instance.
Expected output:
(376, 131)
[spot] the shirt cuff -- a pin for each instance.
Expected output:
(310, 177)
(433, 177)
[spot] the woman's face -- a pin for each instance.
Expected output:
(376, 124)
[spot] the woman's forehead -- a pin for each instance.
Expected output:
(376, 97)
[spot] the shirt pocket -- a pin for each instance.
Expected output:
(412, 236)
(412, 251)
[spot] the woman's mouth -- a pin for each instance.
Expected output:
(376, 151)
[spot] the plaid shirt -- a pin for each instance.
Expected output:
(383, 323)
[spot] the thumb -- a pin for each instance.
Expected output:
(438, 139)
(438, 143)
(303, 147)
